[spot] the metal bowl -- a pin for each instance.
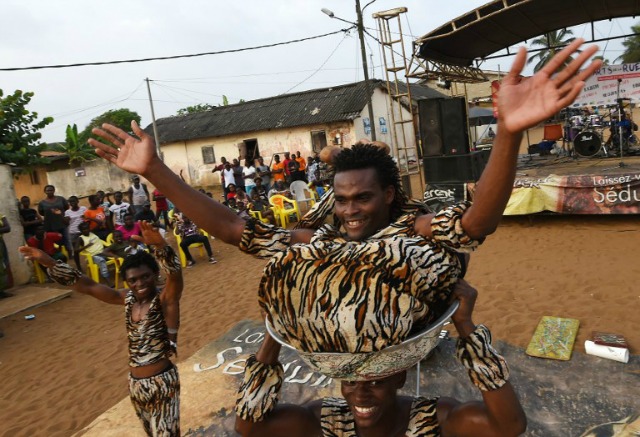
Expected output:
(373, 365)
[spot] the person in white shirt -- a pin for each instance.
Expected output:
(249, 172)
(74, 216)
(119, 209)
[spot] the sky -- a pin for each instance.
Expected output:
(36, 32)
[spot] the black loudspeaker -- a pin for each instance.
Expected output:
(430, 127)
(443, 126)
(455, 133)
(455, 168)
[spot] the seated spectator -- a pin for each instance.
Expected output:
(261, 205)
(93, 245)
(134, 246)
(231, 203)
(243, 213)
(145, 215)
(129, 228)
(47, 242)
(117, 249)
(280, 187)
(232, 192)
(241, 196)
(259, 188)
(119, 209)
(191, 234)
(96, 217)
(29, 217)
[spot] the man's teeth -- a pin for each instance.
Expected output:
(355, 222)
(364, 410)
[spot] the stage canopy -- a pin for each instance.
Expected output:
(503, 23)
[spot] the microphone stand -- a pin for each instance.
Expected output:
(621, 164)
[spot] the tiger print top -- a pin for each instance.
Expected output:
(336, 295)
(148, 340)
(337, 420)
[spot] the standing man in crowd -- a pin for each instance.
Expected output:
(138, 194)
(302, 166)
(6, 278)
(29, 217)
(264, 173)
(74, 217)
(277, 169)
(52, 208)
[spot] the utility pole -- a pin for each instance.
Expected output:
(153, 121)
(365, 69)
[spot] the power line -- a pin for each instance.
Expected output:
(162, 58)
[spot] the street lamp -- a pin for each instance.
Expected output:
(365, 67)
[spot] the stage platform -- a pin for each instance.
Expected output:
(561, 399)
(566, 185)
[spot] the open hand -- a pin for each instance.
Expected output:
(135, 155)
(151, 235)
(34, 254)
(525, 102)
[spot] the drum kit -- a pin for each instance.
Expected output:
(587, 131)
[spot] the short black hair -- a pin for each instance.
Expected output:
(363, 156)
(139, 259)
(49, 185)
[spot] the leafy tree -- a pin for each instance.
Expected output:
(225, 101)
(77, 151)
(19, 131)
(552, 43)
(200, 107)
(632, 47)
(117, 117)
(604, 61)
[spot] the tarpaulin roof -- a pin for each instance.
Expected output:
(503, 23)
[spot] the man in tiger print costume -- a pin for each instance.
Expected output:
(366, 287)
(152, 318)
(373, 408)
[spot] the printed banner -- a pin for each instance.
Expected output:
(582, 194)
(439, 196)
(602, 87)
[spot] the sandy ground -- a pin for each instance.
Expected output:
(63, 369)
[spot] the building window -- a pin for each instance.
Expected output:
(208, 157)
(35, 178)
(318, 140)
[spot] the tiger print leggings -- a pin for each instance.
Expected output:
(156, 400)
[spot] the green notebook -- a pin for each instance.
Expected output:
(554, 338)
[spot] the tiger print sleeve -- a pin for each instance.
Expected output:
(263, 240)
(446, 228)
(318, 214)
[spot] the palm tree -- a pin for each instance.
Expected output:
(632, 47)
(552, 43)
(77, 151)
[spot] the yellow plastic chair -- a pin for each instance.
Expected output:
(183, 257)
(93, 271)
(109, 239)
(280, 210)
(258, 215)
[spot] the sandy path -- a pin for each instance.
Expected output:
(67, 366)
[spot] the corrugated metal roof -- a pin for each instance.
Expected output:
(325, 105)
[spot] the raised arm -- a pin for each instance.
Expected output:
(138, 155)
(257, 412)
(522, 103)
(66, 275)
(500, 413)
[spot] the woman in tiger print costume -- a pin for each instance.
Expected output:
(152, 320)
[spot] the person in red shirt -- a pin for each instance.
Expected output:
(287, 169)
(162, 207)
(46, 242)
